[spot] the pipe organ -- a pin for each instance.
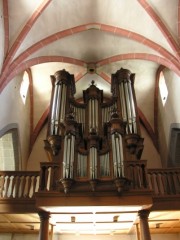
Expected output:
(91, 140)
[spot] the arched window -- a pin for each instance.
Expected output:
(163, 88)
(24, 87)
(9, 150)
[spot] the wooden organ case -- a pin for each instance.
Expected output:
(92, 144)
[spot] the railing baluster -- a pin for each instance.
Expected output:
(16, 184)
(158, 183)
(139, 176)
(34, 185)
(31, 191)
(161, 184)
(29, 186)
(154, 183)
(167, 180)
(177, 183)
(7, 182)
(23, 183)
(2, 181)
(12, 186)
(150, 181)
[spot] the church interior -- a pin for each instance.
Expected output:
(90, 119)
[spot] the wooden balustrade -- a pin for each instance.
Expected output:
(164, 181)
(49, 176)
(136, 172)
(18, 184)
(22, 184)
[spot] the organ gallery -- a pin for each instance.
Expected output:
(94, 143)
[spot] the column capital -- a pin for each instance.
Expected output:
(144, 213)
(44, 215)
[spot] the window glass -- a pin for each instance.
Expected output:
(9, 154)
(163, 88)
(24, 87)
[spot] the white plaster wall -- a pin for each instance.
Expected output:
(149, 152)
(14, 111)
(38, 153)
(170, 113)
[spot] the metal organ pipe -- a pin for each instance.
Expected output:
(58, 107)
(79, 115)
(122, 98)
(96, 113)
(52, 128)
(106, 113)
(127, 106)
(104, 165)
(93, 114)
(133, 113)
(82, 165)
(117, 155)
(68, 158)
(62, 114)
(72, 155)
(90, 124)
(93, 163)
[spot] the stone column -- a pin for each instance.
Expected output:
(144, 226)
(44, 225)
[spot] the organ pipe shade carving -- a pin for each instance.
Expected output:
(91, 140)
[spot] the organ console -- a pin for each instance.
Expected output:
(92, 140)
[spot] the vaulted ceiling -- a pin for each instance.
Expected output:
(91, 39)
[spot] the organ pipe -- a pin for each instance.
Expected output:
(118, 160)
(104, 165)
(127, 105)
(93, 114)
(93, 163)
(106, 112)
(68, 158)
(132, 108)
(58, 108)
(82, 165)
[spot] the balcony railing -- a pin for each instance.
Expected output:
(164, 182)
(22, 184)
(18, 184)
